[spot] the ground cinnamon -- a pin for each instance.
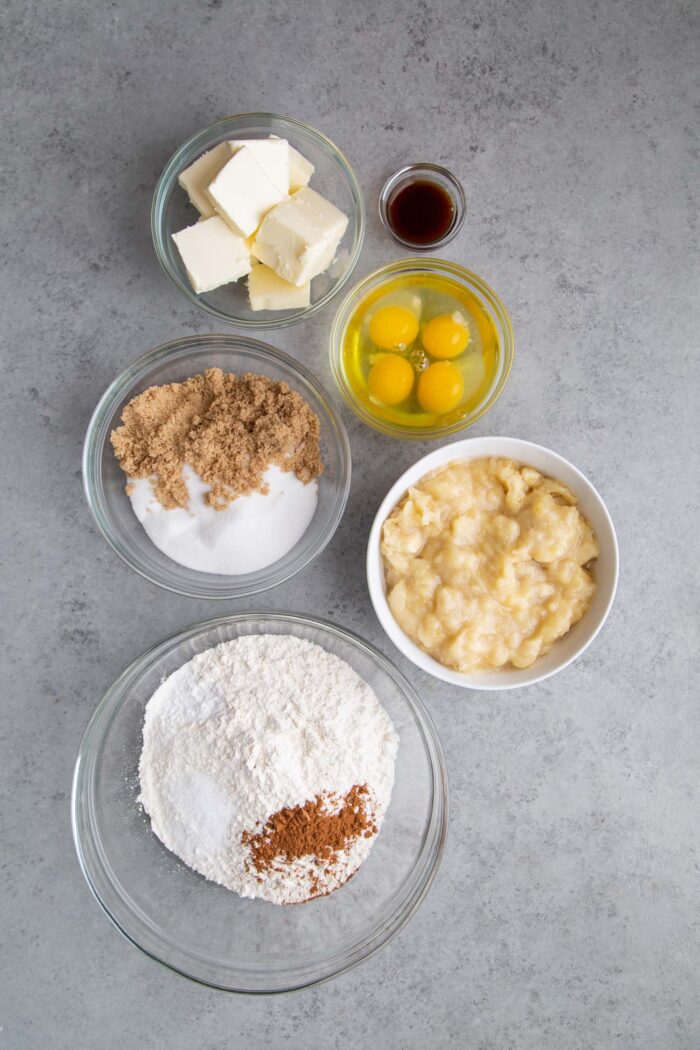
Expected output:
(228, 428)
(322, 828)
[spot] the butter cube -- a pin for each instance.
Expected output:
(213, 255)
(267, 291)
(243, 193)
(300, 170)
(195, 179)
(299, 237)
(273, 157)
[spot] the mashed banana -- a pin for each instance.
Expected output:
(486, 564)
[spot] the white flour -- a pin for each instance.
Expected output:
(250, 533)
(251, 727)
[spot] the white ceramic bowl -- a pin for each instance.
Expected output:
(605, 568)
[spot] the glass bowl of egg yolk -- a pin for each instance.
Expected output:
(421, 348)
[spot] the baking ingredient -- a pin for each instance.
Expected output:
(446, 335)
(440, 387)
(212, 254)
(399, 297)
(241, 182)
(249, 534)
(299, 237)
(267, 766)
(426, 320)
(390, 380)
(300, 170)
(420, 212)
(316, 829)
(393, 327)
(243, 192)
(487, 564)
(267, 291)
(273, 157)
(195, 179)
(221, 469)
(228, 428)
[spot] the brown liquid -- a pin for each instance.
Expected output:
(420, 212)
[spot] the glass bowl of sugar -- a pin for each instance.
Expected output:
(203, 930)
(257, 541)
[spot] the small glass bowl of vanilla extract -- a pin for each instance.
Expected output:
(422, 206)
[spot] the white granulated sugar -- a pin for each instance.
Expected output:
(253, 726)
(250, 533)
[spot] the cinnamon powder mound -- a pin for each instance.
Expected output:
(228, 428)
(322, 828)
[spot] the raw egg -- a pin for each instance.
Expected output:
(420, 322)
(390, 380)
(440, 387)
(446, 335)
(393, 327)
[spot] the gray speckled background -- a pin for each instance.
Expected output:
(565, 915)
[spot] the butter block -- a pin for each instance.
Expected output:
(267, 291)
(195, 179)
(300, 170)
(213, 255)
(273, 157)
(243, 193)
(263, 253)
(299, 237)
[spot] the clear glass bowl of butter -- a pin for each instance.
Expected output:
(332, 177)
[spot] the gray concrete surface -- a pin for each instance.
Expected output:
(565, 915)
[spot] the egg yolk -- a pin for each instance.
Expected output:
(445, 336)
(440, 387)
(390, 380)
(393, 327)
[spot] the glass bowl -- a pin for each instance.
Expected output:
(424, 172)
(203, 930)
(333, 178)
(105, 481)
(467, 280)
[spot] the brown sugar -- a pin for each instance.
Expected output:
(322, 828)
(228, 428)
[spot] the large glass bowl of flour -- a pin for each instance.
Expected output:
(204, 931)
(105, 482)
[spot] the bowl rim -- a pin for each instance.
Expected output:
(86, 836)
(375, 575)
(169, 175)
(93, 487)
(429, 264)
